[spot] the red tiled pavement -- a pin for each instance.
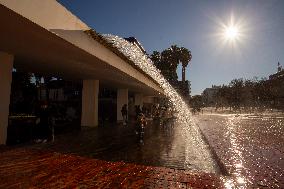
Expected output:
(29, 168)
(250, 148)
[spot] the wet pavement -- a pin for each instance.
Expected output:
(163, 145)
(30, 168)
(251, 147)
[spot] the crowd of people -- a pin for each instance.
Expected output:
(45, 124)
(164, 115)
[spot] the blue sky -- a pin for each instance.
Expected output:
(196, 25)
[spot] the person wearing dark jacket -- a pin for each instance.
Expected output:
(124, 113)
(43, 131)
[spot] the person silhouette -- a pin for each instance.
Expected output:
(124, 113)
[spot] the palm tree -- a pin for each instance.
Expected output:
(169, 64)
(171, 58)
(175, 51)
(184, 57)
(168, 60)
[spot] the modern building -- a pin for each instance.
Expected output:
(44, 37)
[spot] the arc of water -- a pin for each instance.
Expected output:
(190, 129)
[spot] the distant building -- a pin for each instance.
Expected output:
(276, 82)
(209, 95)
(279, 74)
(60, 91)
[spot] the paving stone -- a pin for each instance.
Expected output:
(251, 151)
(45, 169)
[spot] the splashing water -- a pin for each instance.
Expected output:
(197, 153)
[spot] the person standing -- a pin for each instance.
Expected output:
(137, 111)
(140, 126)
(43, 130)
(124, 113)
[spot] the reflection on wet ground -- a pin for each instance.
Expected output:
(250, 147)
(163, 145)
(30, 168)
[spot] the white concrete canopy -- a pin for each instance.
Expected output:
(44, 37)
(51, 40)
(6, 67)
(122, 98)
(90, 101)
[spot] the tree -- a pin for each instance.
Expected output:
(249, 94)
(196, 103)
(184, 56)
(156, 58)
(237, 88)
(168, 60)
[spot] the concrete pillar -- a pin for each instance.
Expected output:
(122, 98)
(148, 99)
(6, 68)
(90, 102)
(138, 100)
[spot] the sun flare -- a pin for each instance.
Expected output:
(231, 32)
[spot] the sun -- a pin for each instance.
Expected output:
(231, 32)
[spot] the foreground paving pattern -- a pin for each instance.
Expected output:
(251, 148)
(30, 168)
